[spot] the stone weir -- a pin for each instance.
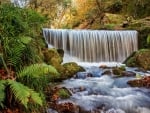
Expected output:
(94, 45)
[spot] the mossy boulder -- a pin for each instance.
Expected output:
(118, 70)
(72, 68)
(51, 56)
(140, 59)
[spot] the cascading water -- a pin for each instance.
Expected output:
(20, 3)
(93, 45)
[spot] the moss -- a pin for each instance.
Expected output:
(143, 28)
(118, 70)
(72, 68)
(64, 94)
(140, 59)
(51, 56)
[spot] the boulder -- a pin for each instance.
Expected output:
(51, 56)
(140, 59)
(107, 72)
(67, 107)
(128, 73)
(118, 70)
(142, 82)
(72, 68)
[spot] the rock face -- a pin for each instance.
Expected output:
(140, 59)
(143, 82)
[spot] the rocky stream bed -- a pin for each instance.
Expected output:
(105, 90)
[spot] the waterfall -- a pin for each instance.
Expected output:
(93, 45)
(20, 3)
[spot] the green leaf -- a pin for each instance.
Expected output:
(2, 93)
(24, 94)
(38, 70)
(25, 39)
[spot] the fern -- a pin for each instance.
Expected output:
(38, 70)
(37, 76)
(24, 94)
(14, 55)
(2, 93)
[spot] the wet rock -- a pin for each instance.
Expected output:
(118, 70)
(128, 73)
(60, 93)
(121, 72)
(107, 72)
(100, 109)
(103, 66)
(83, 75)
(95, 71)
(72, 68)
(67, 107)
(141, 70)
(51, 111)
(79, 89)
(143, 82)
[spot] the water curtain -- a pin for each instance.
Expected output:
(93, 45)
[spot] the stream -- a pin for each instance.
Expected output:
(106, 94)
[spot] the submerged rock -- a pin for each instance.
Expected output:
(83, 75)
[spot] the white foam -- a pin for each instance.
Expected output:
(106, 90)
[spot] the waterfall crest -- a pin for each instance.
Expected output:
(93, 45)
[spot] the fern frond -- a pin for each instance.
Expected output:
(36, 98)
(15, 54)
(37, 70)
(24, 94)
(2, 93)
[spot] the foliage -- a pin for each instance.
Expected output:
(2, 94)
(20, 45)
(148, 40)
(137, 8)
(29, 80)
(21, 93)
(24, 94)
(18, 37)
(35, 79)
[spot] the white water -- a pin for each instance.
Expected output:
(93, 45)
(112, 93)
(20, 3)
